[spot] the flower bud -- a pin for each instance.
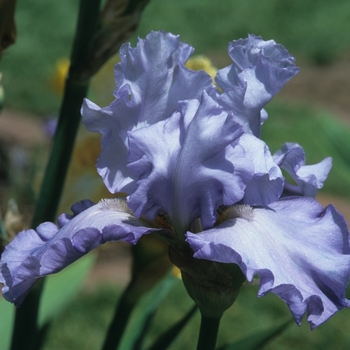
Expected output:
(213, 286)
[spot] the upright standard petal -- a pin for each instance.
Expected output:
(188, 165)
(308, 178)
(259, 71)
(299, 250)
(49, 249)
(266, 186)
(151, 78)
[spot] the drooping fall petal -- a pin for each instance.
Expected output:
(299, 250)
(49, 249)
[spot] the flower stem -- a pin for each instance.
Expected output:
(69, 117)
(26, 319)
(208, 332)
(24, 331)
(61, 151)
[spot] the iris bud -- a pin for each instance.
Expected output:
(213, 286)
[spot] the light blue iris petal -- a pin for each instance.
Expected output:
(259, 71)
(151, 78)
(48, 249)
(188, 165)
(308, 178)
(299, 250)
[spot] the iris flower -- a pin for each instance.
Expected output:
(190, 160)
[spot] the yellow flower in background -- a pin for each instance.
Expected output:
(59, 76)
(103, 82)
(201, 62)
(101, 85)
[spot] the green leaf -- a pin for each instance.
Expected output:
(258, 339)
(337, 134)
(165, 339)
(7, 314)
(147, 306)
(59, 289)
(138, 342)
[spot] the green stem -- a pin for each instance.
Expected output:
(25, 332)
(208, 332)
(69, 117)
(120, 320)
(66, 131)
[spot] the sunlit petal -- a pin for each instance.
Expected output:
(151, 78)
(299, 250)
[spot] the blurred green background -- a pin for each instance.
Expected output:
(315, 32)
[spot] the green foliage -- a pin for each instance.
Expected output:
(83, 324)
(7, 316)
(89, 314)
(315, 28)
(259, 339)
(145, 311)
(44, 33)
(165, 339)
(59, 289)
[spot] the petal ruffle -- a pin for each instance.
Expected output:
(188, 165)
(259, 71)
(151, 78)
(49, 249)
(309, 178)
(266, 185)
(299, 250)
(112, 122)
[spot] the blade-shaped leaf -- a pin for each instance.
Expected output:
(165, 339)
(338, 136)
(147, 307)
(59, 289)
(258, 339)
(147, 325)
(7, 314)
